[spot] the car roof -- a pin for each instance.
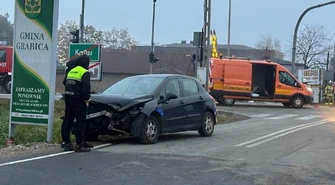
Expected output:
(163, 75)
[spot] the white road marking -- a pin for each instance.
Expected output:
(283, 134)
(283, 116)
(261, 115)
(308, 117)
(48, 156)
(281, 131)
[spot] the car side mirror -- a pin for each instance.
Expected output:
(171, 96)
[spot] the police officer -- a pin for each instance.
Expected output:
(70, 65)
(77, 96)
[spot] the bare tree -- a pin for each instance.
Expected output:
(267, 42)
(313, 43)
(118, 39)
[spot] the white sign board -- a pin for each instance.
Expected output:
(95, 69)
(312, 76)
(316, 94)
(201, 75)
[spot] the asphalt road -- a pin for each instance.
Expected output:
(276, 146)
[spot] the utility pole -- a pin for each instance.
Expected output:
(82, 21)
(228, 40)
(152, 34)
(294, 48)
(206, 36)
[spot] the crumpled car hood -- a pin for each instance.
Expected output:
(120, 102)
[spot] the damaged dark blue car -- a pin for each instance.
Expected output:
(146, 106)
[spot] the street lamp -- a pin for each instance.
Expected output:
(294, 47)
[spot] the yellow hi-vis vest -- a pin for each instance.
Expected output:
(76, 73)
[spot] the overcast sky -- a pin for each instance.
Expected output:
(176, 20)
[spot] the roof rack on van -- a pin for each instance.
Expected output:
(234, 57)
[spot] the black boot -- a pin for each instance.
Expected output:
(68, 147)
(62, 145)
(87, 145)
(81, 148)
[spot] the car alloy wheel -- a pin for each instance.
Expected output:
(151, 130)
(207, 126)
(209, 123)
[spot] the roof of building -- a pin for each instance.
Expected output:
(189, 45)
(123, 62)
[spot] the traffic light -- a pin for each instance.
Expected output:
(76, 36)
(152, 58)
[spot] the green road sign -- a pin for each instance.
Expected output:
(91, 49)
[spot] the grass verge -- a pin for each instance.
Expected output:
(25, 134)
(229, 117)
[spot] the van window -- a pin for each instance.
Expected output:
(2, 55)
(286, 78)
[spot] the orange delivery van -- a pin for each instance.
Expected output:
(256, 80)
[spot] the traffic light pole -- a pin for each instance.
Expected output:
(82, 21)
(206, 38)
(153, 32)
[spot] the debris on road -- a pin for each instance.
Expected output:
(28, 148)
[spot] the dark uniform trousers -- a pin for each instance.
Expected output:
(75, 109)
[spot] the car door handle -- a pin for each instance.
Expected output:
(201, 98)
(247, 83)
(278, 85)
(182, 101)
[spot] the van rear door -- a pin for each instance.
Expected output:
(237, 79)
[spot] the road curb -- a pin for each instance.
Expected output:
(224, 111)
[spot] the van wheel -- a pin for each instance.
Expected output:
(297, 102)
(228, 101)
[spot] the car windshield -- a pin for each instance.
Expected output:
(135, 86)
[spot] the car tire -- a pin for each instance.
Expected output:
(150, 130)
(297, 102)
(207, 125)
